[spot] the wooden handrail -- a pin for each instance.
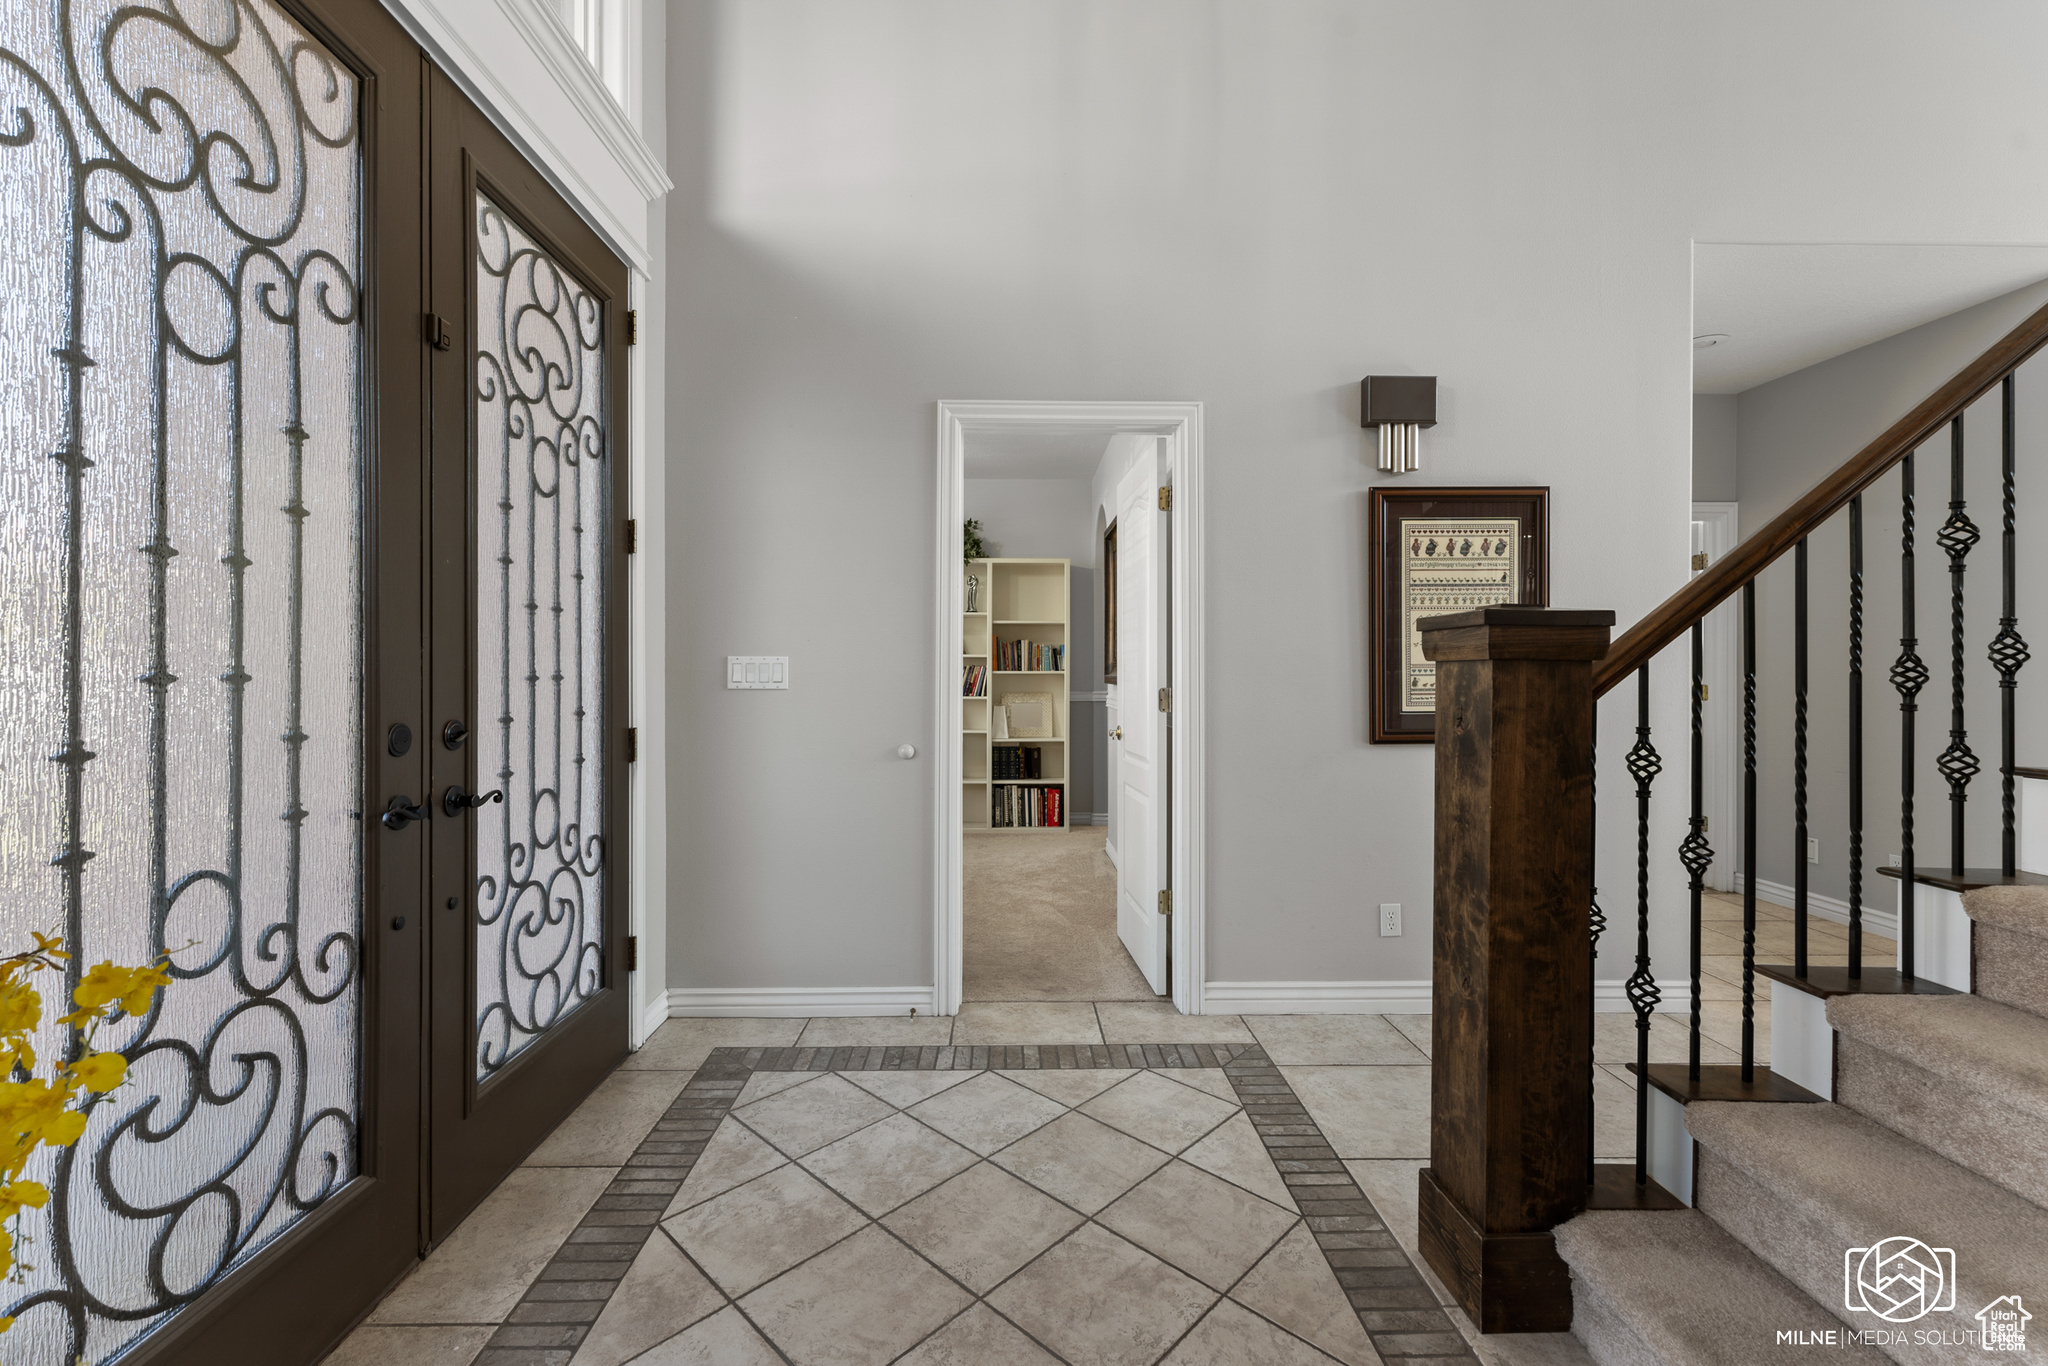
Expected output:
(1678, 612)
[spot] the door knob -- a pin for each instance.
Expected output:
(398, 812)
(455, 801)
(1117, 734)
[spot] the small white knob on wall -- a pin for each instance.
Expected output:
(906, 751)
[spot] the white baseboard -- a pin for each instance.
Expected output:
(1088, 818)
(653, 1014)
(796, 1002)
(1879, 917)
(1316, 998)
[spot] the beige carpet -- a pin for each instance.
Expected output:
(1041, 920)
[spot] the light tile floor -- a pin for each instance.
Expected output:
(957, 1217)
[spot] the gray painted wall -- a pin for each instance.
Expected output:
(883, 203)
(1792, 432)
(1716, 475)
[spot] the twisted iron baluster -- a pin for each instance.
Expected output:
(1799, 856)
(1909, 675)
(1749, 832)
(1856, 738)
(1643, 766)
(1694, 852)
(1958, 534)
(2008, 652)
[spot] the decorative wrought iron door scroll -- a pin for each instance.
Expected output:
(180, 500)
(543, 517)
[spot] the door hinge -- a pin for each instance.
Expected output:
(1166, 497)
(632, 744)
(632, 953)
(632, 327)
(1165, 902)
(440, 335)
(632, 535)
(1166, 699)
(1699, 561)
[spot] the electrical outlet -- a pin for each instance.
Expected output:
(1813, 851)
(1390, 920)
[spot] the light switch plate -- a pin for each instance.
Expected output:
(757, 671)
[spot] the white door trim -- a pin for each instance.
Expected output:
(1181, 424)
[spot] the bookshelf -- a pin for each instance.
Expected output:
(1024, 609)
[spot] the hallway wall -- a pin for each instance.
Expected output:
(883, 203)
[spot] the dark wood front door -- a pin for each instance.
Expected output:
(526, 637)
(312, 456)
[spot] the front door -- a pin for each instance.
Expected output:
(307, 500)
(210, 629)
(1141, 754)
(528, 968)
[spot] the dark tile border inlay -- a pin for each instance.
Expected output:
(1397, 1309)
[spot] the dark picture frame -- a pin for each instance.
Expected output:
(1109, 604)
(1457, 514)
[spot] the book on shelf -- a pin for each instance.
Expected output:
(1027, 807)
(1017, 761)
(1014, 656)
(974, 680)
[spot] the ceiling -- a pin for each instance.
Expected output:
(1783, 307)
(1052, 451)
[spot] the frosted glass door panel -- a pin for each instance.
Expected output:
(543, 519)
(181, 661)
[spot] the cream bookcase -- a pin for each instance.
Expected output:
(1018, 599)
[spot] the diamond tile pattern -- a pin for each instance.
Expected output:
(1101, 1205)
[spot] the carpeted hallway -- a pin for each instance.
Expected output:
(1040, 913)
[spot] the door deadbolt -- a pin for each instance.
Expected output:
(453, 734)
(455, 801)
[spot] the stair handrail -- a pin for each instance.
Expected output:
(1719, 582)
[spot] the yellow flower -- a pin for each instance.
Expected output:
(101, 1072)
(142, 984)
(102, 984)
(52, 944)
(18, 1195)
(64, 1130)
(21, 1009)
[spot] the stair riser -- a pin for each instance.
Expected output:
(1968, 1128)
(1808, 1252)
(1605, 1337)
(2012, 969)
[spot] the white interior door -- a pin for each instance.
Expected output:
(1141, 753)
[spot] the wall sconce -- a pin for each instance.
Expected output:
(1400, 406)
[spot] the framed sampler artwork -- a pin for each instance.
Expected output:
(1434, 551)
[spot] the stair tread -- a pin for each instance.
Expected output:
(1997, 1051)
(2023, 910)
(1672, 1277)
(1855, 1183)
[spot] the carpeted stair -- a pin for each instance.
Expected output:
(1939, 1132)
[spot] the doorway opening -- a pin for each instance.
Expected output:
(1069, 686)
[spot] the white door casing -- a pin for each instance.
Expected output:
(1141, 753)
(1180, 423)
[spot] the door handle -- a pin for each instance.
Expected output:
(1117, 734)
(455, 801)
(398, 812)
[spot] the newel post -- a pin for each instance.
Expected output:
(1510, 1137)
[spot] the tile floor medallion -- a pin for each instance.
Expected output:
(939, 1205)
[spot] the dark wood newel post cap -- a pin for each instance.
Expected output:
(1516, 633)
